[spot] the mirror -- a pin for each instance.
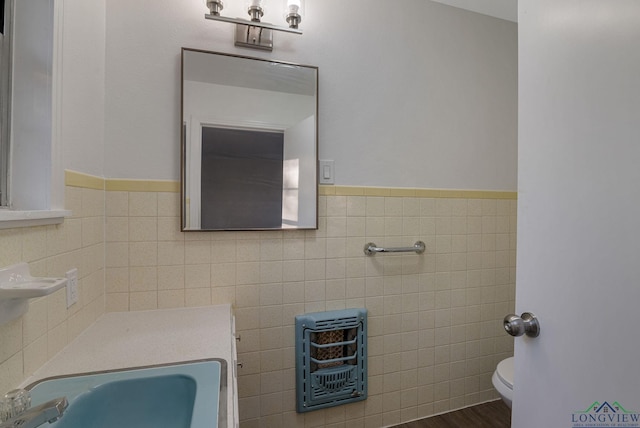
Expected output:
(249, 143)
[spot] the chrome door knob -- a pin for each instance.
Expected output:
(527, 323)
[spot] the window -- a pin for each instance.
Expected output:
(31, 180)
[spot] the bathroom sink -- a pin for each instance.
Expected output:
(183, 395)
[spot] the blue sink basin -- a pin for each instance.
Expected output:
(185, 395)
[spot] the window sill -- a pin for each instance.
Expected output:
(11, 219)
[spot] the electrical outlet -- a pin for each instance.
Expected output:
(72, 287)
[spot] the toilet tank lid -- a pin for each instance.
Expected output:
(505, 371)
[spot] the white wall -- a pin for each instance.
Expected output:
(83, 84)
(504, 9)
(424, 95)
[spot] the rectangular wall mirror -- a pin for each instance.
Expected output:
(249, 143)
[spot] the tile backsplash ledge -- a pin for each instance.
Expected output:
(77, 179)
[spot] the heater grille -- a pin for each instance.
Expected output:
(331, 358)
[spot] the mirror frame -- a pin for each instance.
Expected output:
(183, 143)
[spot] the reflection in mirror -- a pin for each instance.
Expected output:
(249, 143)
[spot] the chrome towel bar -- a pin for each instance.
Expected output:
(370, 249)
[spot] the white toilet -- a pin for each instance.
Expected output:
(503, 380)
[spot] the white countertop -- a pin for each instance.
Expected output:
(120, 340)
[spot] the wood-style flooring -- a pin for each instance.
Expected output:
(495, 414)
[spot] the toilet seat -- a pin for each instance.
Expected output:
(505, 372)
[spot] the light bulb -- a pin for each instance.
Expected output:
(293, 6)
(293, 12)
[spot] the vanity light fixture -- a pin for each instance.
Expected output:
(253, 33)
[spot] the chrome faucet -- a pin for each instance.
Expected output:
(33, 417)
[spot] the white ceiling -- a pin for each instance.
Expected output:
(503, 9)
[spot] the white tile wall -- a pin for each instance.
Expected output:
(435, 319)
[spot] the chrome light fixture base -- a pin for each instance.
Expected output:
(293, 19)
(253, 24)
(256, 13)
(215, 6)
(251, 36)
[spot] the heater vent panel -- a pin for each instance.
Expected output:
(331, 358)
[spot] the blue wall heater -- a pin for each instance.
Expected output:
(331, 358)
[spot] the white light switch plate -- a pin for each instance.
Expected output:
(326, 172)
